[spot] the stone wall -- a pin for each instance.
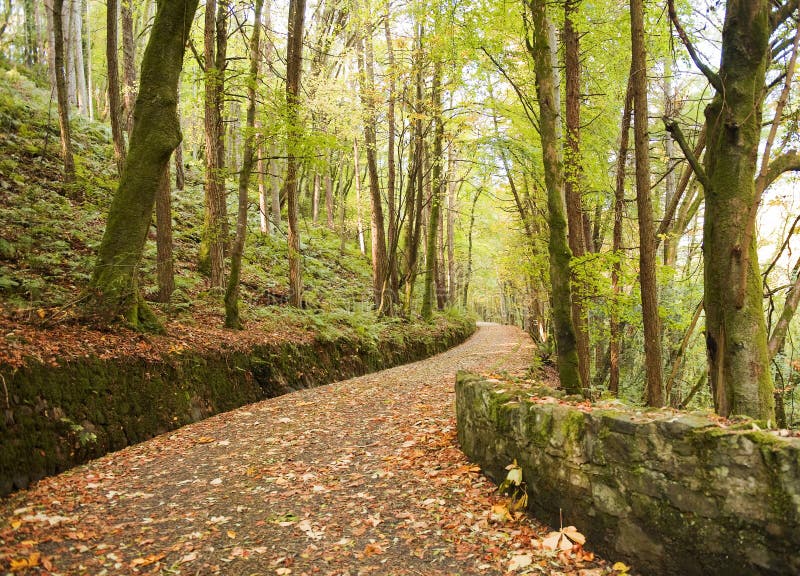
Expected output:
(55, 417)
(669, 493)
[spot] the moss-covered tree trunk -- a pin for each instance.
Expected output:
(114, 102)
(736, 336)
(558, 247)
(156, 133)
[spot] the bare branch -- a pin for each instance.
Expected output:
(712, 76)
(782, 14)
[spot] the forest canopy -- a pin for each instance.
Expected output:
(615, 177)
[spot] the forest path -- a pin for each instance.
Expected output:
(362, 476)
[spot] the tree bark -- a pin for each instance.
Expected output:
(558, 247)
(654, 395)
(452, 189)
(212, 249)
(156, 133)
(436, 192)
(164, 264)
(128, 62)
(80, 67)
(579, 243)
(232, 317)
(61, 92)
(616, 267)
(392, 232)
(382, 298)
(736, 337)
(114, 102)
(294, 61)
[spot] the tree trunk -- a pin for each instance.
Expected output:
(654, 395)
(451, 225)
(31, 31)
(616, 267)
(232, 318)
(164, 265)
(436, 192)
(468, 275)
(357, 172)
(315, 199)
(382, 298)
(128, 62)
(156, 133)
(114, 103)
(578, 242)
(392, 232)
(61, 92)
(212, 249)
(736, 336)
(275, 202)
(329, 212)
(294, 62)
(68, 18)
(80, 66)
(558, 248)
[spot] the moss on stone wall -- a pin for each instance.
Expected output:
(57, 417)
(671, 493)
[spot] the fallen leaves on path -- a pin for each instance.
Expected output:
(359, 477)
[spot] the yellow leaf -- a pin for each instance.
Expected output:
(16, 524)
(231, 534)
(205, 440)
(41, 313)
(21, 564)
(620, 567)
(499, 513)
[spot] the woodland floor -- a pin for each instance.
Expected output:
(359, 477)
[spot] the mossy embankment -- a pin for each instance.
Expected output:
(55, 417)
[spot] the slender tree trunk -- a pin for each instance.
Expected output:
(164, 264)
(114, 103)
(80, 63)
(232, 318)
(31, 31)
(572, 175)
(654, 395)
(468, 275)
(619, 211)
(275, 202)
(61, 92)
(558, 247)
(212, 250)
(391, 170)
(329, 211)
(441, 269)
(357, 172)
(436, 191)
(128, 62)
(451, 224)
(263, 203)
(383, 299)
(156, 133)
(315, 198)
(736, 336)
(294, 61)
(68, 18)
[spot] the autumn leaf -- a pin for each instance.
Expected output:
(152, 559)
(620, 567)
(520, 561)
(24, 563)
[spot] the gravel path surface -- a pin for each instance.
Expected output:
(359, 477)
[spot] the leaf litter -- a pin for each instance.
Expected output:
(359, 477)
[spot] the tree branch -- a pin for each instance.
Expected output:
(782, 14)
(674, 202)
(526, 104)
(713, 78)
(673, 128)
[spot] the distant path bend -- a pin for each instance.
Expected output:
(361, 476)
